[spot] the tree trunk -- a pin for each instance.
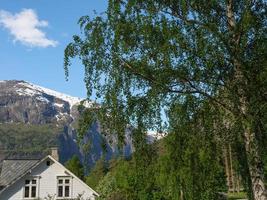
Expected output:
(238, 184)
(181, 195)
(231, 169)
(226, 163)
(255, 163)
(255, 166)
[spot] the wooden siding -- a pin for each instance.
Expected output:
(47, 182)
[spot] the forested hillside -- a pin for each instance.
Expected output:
(26, 138)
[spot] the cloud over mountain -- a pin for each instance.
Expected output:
(25, 27)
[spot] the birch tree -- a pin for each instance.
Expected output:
(143, 56)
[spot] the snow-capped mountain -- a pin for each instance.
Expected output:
(25, 103)
(26, 88)
(28, 105)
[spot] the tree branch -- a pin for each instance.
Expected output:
(152, 80)
(170, 90)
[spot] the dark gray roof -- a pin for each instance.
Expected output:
(13, 169)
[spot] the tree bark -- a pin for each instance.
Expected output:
(231, 169)
(226, 163)
(255, 163)
(238, 184)
(255, 166)
(181, 195)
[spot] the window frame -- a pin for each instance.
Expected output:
(31, 185)
(64, 184)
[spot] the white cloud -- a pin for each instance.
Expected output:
(25, 28)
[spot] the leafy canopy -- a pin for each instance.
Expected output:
(75, 166)
(141, 57)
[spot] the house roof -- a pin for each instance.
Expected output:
(13, 169)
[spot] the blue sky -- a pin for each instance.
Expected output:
(33, 35)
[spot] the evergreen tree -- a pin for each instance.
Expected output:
(96, 173)
(75, 166)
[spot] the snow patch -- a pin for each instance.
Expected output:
(41, 98)
(27, 91)
(61, 105)
(59, 116)
(31, 89)
(87, 104)
(154, 135)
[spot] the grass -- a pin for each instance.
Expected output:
(233, 196)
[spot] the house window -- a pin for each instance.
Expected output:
(30, 189)
(63, 187)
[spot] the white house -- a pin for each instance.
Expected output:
(44, 179)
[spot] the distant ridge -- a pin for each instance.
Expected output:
(33, 89)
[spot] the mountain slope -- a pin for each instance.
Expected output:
(35, 118)
(24, 102)
(26, 109)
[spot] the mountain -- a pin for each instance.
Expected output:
(34, 118)
(24, 102)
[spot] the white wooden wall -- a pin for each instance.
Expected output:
(47, 184)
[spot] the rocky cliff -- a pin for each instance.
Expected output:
(35, 118)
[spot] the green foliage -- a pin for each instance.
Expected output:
(75, 166)
(233, 196)
(202, 65)
(153, 175)
(107, 187)
(97, 173)
(26, 138)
